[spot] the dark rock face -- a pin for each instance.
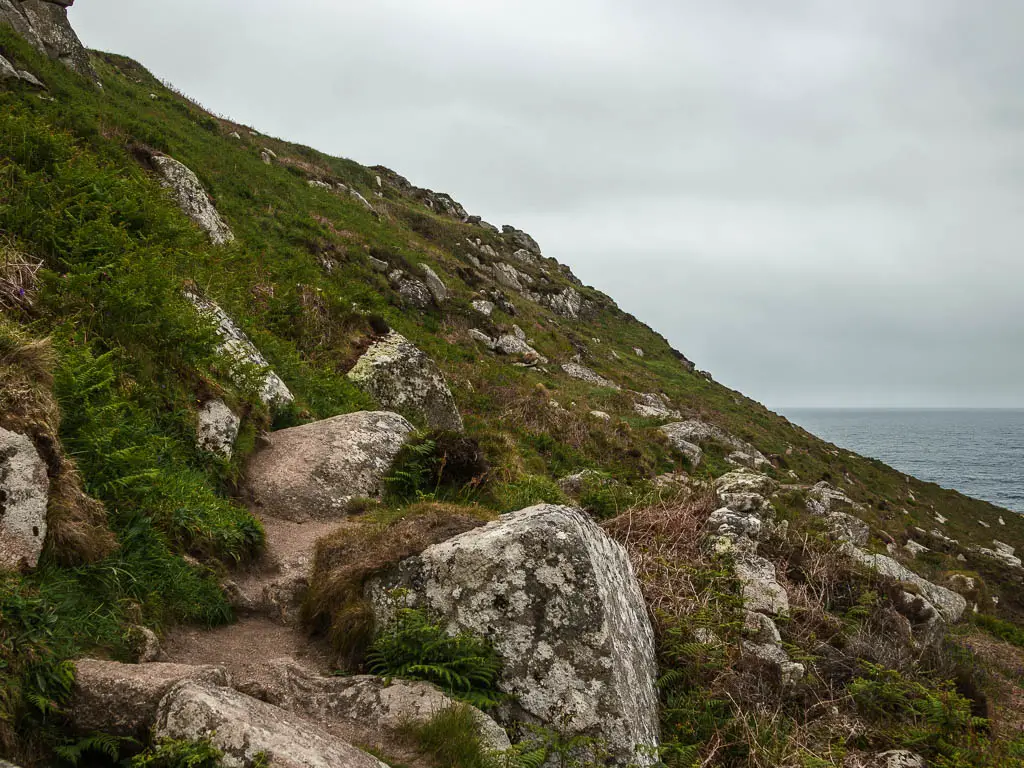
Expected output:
(44, 23)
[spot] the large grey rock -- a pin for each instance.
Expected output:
(559, 601)
(24, 494)
(582, 373)
(363, 704)
(317, 469)
(122, 699)
(237, 345)
(192, 198)
(217, 428)
(243, 728)
(509, 276)
(45, 25)
(949, 604)
(402, 378)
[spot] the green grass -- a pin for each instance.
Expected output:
(134, 361)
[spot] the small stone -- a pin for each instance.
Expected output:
(601, 415)
(485, 308)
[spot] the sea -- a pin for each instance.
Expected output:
(977, 452)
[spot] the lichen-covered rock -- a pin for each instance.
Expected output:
(651, 405)
(485, 308)
(316, 470)
(510, 345)
(434, 284)
(698, 432)
(582, 373)
(24, 494)
(402, 378)
(761, 590)
(678, 439)
(44, 24)
(828, 502)
(368, 705)
(763, 646)
(745, 491)
(559, 601)
(217, 428)
(192, 198)
(566, 303)
(949, 604)
(244, 728)
(237, 345)
(414, 291)
(509, 276)
(122, 699)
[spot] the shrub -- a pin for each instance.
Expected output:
(438, 465)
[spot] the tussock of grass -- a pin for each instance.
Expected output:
(77, 523)
(347, 559)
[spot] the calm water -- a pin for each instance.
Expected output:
(979, 453)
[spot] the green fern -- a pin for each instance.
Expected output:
(414, 648)
(95, 743)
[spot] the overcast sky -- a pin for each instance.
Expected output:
(821, 203)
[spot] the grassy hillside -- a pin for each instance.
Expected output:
(131, 361)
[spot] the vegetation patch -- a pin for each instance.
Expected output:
(347, 559)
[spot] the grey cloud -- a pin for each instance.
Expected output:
(818, 202)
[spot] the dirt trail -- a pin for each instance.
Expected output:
(267, 599)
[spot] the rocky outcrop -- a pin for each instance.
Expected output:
(244, 728)
(567, 303)
(192, 198)
(236, 345)
(438, 290)
(217, 428)
(44, 24)
(521, 240)
(413, 291)
(829, 503)
(1004, 553)
(745, 491)
(485, 308)
(402, 378)
(560, 603)
(122, 699)
(512, 345)
(696, 432)
(9, 72)
(949, 605)
(652, 405)
(24, 494)
(737, 528)
(362, 705)
(316, 470)
(582, 373)
(678, 437)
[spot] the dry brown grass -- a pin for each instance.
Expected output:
(19, 274)
(77, 529)
(347, 559)
(664, 542)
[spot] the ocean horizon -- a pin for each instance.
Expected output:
(976, 451)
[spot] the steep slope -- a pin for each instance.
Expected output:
(172, 257)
